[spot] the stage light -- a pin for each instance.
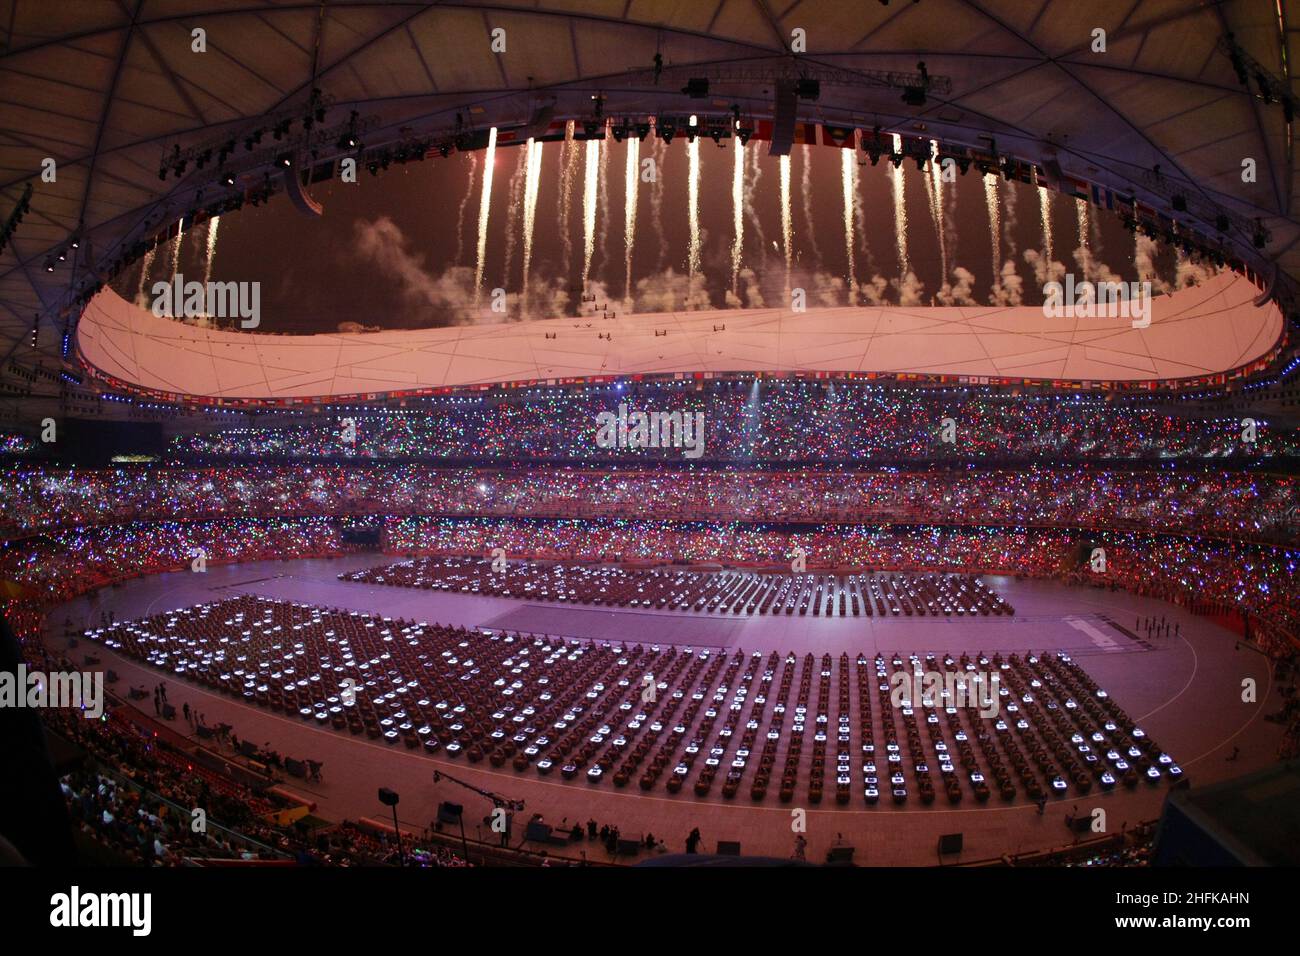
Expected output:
(1221, 222)
(349, 138)
(284, 160)
(642, 130)
(1179, 203)
(1265, 87)
(228, 179)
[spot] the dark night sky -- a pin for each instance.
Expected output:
(386, 250)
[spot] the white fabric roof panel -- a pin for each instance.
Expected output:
(1201, 330)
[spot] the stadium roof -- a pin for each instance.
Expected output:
(107, 89)
(1194, 332)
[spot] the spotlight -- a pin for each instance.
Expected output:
(619, 132)
(349, 138)
(445, 150)
(228, 179)
(285, 160)
(697, 88)
(373, 166)
(49, 265)
(743, 133)
(642, 130)
(1265, 88)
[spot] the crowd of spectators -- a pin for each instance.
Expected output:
(1242, 505)
(132, 798)
(777, 421)
(1258, 579)
(15, 443)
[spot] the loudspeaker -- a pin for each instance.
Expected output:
(950, 843)
(628, 847)
(728, 848)
(840, 854)
(784, 115)
(450, 812)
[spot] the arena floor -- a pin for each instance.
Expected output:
(1185, 691)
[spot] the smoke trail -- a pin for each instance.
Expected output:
(787, 231)
(464, 204)
(754, 174)
(1045, 206)
(657, 201)
(531, 180)
(1144, 260)
(1009, 220)
(995, 237)
(805, 189)
(589, 194)
(146, 265)
(1081, 206)
(514, 196)
(631, 178)
(935, 183)
(693, 193)
(564, 198)
(602, 217)
(900, 212)
(737, 214)
(484, 204)
(176, 249)
(849, 181)
(860, 217)
(213, 223)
